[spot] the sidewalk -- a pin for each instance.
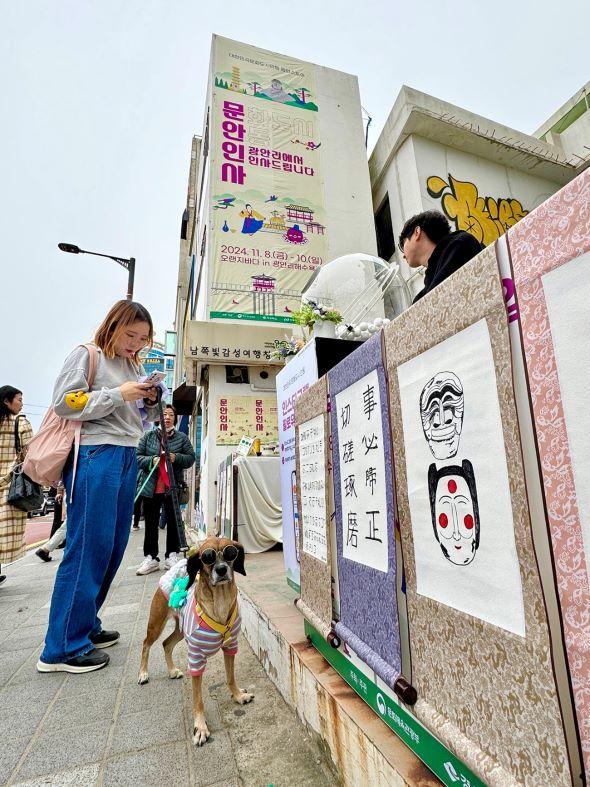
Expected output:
(103, 729)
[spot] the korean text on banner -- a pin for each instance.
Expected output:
(267, 208)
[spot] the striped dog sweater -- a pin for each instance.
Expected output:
(202, 640)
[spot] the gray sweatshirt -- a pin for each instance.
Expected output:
(106, 417)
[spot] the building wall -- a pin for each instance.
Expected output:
(347, 189)
(475, 193)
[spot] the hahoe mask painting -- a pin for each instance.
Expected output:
(455, 513)
(441, 408)
(457, 475)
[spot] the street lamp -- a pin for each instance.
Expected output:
(129, 264)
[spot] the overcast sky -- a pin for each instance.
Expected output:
(99, 101)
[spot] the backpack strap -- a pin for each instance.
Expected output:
(92, 364)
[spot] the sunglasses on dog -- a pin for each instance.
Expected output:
(209, 556)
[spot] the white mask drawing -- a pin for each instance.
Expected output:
(441, 410)
(455, 511)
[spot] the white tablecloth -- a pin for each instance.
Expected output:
(260, 520)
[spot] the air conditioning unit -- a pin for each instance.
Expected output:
(262, 379)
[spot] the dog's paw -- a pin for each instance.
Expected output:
(175, 673)
(243, 697)
(200, 733)
(143, 678)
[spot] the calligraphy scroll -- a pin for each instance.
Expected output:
(312, 462)
(481, 658)
(550, 254)
(363, 490)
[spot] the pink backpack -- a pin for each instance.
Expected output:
(49, 449)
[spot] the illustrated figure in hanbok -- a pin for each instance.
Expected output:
(253, 221)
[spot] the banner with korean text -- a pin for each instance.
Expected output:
(246, 415)
(266, 212)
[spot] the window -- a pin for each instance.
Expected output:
(384, 228)
(236, 374)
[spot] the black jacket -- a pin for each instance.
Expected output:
(450, 254)
(149, 446)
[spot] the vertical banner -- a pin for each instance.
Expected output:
(313, 475)
(550, 254)
(267, 213)
(365, 506)
(473, 585)
(292, 381)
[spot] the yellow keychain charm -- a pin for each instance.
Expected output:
(77, 400)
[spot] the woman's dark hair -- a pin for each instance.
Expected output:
(7, 394)
(432, 222)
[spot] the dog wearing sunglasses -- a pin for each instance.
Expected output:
(209, 620)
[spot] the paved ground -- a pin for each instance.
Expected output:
(103, 729)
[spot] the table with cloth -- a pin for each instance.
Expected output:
(259, 512)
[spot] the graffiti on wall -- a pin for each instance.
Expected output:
(485, 218)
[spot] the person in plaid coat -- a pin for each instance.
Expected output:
(12, 520)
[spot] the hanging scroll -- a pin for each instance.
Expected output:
(550, 255)
(363, 489)
(312, 452)
(478, 626)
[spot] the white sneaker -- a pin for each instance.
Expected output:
(172, 558)
(148, 565)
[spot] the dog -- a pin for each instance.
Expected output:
(209, 620)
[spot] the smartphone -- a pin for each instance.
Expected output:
(155, 377)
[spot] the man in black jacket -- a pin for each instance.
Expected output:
(426, 240)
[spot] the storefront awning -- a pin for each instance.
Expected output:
(184, 398)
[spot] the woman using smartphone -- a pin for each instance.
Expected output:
(101, 503)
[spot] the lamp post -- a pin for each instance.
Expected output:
(128, 264)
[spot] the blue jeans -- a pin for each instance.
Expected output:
(98, 531)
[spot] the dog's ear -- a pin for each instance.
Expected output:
(239, 561)
(193, 566)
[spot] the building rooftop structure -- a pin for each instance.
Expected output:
(418, 113)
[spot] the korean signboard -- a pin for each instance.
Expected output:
(218, 343)
(267, 214)
(246, 415)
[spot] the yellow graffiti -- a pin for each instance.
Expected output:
(486, 219)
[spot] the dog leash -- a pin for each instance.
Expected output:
(146, 480)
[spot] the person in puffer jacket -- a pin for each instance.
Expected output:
(155, 493)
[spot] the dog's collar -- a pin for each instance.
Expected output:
(220, 628)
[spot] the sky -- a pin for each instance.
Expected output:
(99, 102)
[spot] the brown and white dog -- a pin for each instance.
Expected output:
(209, 619)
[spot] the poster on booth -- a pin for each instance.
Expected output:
(362, 473)
(292, 381)
(458, 484)
(312, 482)
(240, 415)
(267, 212)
